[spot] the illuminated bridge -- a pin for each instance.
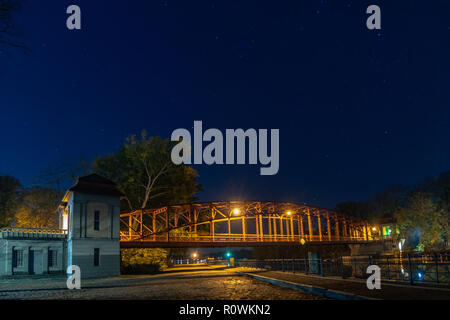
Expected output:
(240, 224)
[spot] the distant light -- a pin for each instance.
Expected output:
(420, 275)
(289, 213)
(302, 241)
(195, 255)
(374, 229)
(237, 211)
(228, 254)
(400, 246)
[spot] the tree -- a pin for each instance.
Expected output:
(385, 203)
(423, 223)
(355, 209)
(381, 205)
(63, 172)
(7, 30)
(38, 208)
(10, 198)
(144, 172)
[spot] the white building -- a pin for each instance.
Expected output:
(88, 235)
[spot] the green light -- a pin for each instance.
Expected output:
(228, 254)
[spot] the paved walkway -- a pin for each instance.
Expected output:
(389, 291)
(186, 283)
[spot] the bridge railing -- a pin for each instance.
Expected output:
(24, 233)
(225, 237)
(412, 268)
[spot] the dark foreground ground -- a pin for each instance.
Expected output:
(202, 282)
(388, 291)
(182, 283)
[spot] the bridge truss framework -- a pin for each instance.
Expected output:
(239, 223)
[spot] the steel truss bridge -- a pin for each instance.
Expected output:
(240, 224)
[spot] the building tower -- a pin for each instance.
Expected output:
(90, 212)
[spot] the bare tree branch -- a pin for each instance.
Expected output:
(8, 32)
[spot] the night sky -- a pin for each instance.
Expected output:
(358, 110)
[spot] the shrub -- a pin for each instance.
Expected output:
(143, 261)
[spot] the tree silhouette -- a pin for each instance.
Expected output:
(7, 29)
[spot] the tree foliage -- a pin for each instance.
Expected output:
(10, 199)
(143, 260)
(423, 223)
(38, 208)
(383, 204)
(7, 29)
(422, 212)
(144, 172)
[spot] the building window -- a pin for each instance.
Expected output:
(52, 258)
(97, 220)
(65, 221)
(96, 257)
(17, 258)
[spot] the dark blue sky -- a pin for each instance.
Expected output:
(358, 110)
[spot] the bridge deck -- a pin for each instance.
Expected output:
(203, 244)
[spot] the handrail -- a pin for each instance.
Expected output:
(125, 236)
(34, 231)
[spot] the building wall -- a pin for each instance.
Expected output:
(40, 248)
(82, 255)
(79, 247)
(83, 239)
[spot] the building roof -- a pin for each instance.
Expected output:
(96, 184)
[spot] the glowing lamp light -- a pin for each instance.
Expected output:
(289, 213)
(374, 229)
(228, 254)
(195, 255)
(236, 212)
